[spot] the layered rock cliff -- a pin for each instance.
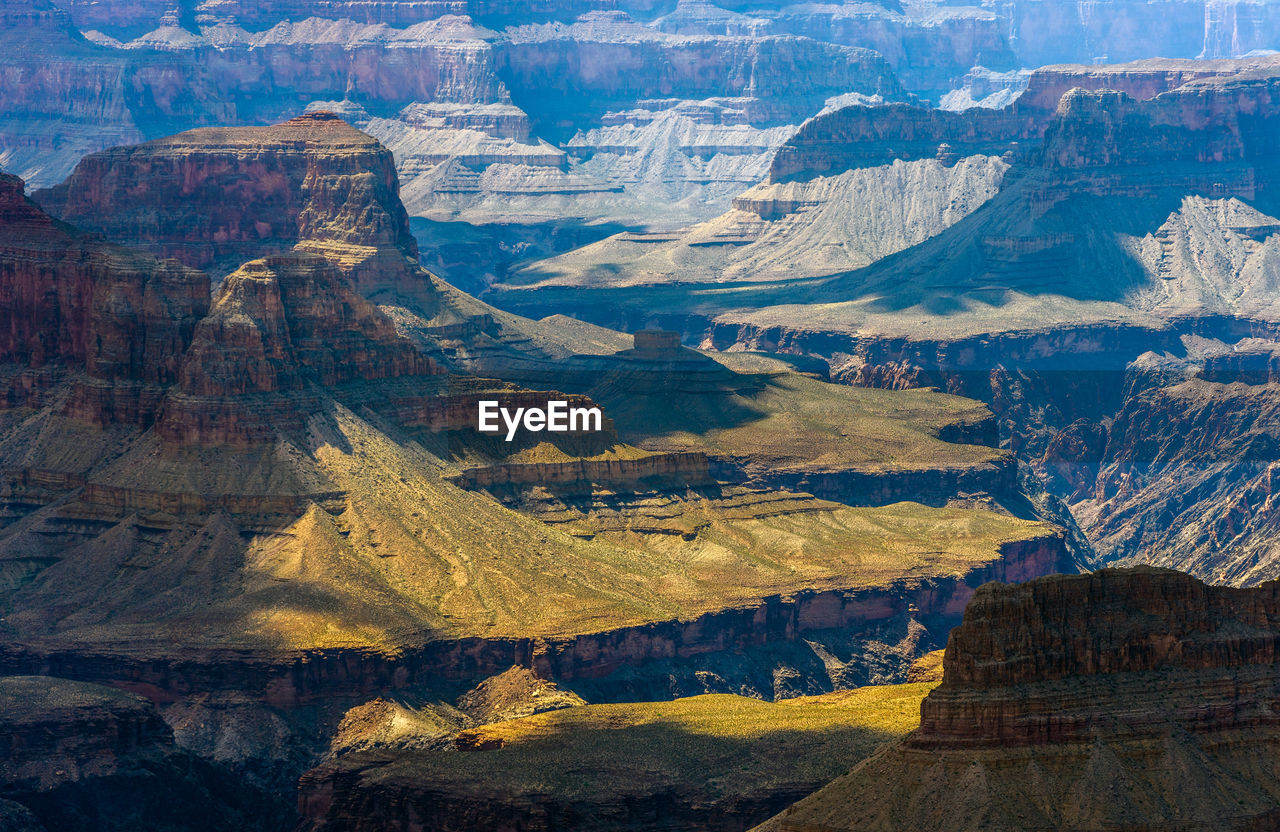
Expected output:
(116, 319)
(217, 197)
(279, 330)
(1184, 476)
(1134, 697)
(289, 531)
(1138, 222)
(463, 106)
(858, 136)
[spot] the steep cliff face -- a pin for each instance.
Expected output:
(301, 438)
(858, 136)
(64, 96)
(428, 80)
(74, 303)
(614, 61)
(1125, 696)
(279, 329)
(1187, 478)
(1138, 225)
(777, 231)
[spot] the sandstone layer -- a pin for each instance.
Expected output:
(215, 198)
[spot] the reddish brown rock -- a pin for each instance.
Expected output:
(74, 304)
(218, 197)
(281, 329)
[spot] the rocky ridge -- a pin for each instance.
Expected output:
(684, 119)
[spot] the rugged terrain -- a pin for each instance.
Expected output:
(1126, 698)
(542, 126)
(83, 756)
(254, 491)
(1120, 247)
(240, 475)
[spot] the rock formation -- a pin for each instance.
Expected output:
(117, 320)
(279, 329)
(81, 755)
(286, 415)
(1138, 223)
(302, 520)
(687, 119)
(217, 197)
(1134, 697)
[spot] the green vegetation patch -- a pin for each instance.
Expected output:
(721, 745)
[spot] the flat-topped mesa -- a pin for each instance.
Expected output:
(1056, 658)
(280, 327)
(75, 304)
(218, 197)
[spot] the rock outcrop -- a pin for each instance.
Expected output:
(281, 330)
(860, 136)
(1185, 477)
(1127, 697)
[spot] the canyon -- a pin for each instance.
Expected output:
(242, 478)
(1112, 263)
(888, 311)
(554, 124)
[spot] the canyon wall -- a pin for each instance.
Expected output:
(74, 301)
(290, 680)
(79, 755)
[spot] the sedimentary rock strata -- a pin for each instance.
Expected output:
(1135, 697)
(218, 197)
(117, 320)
